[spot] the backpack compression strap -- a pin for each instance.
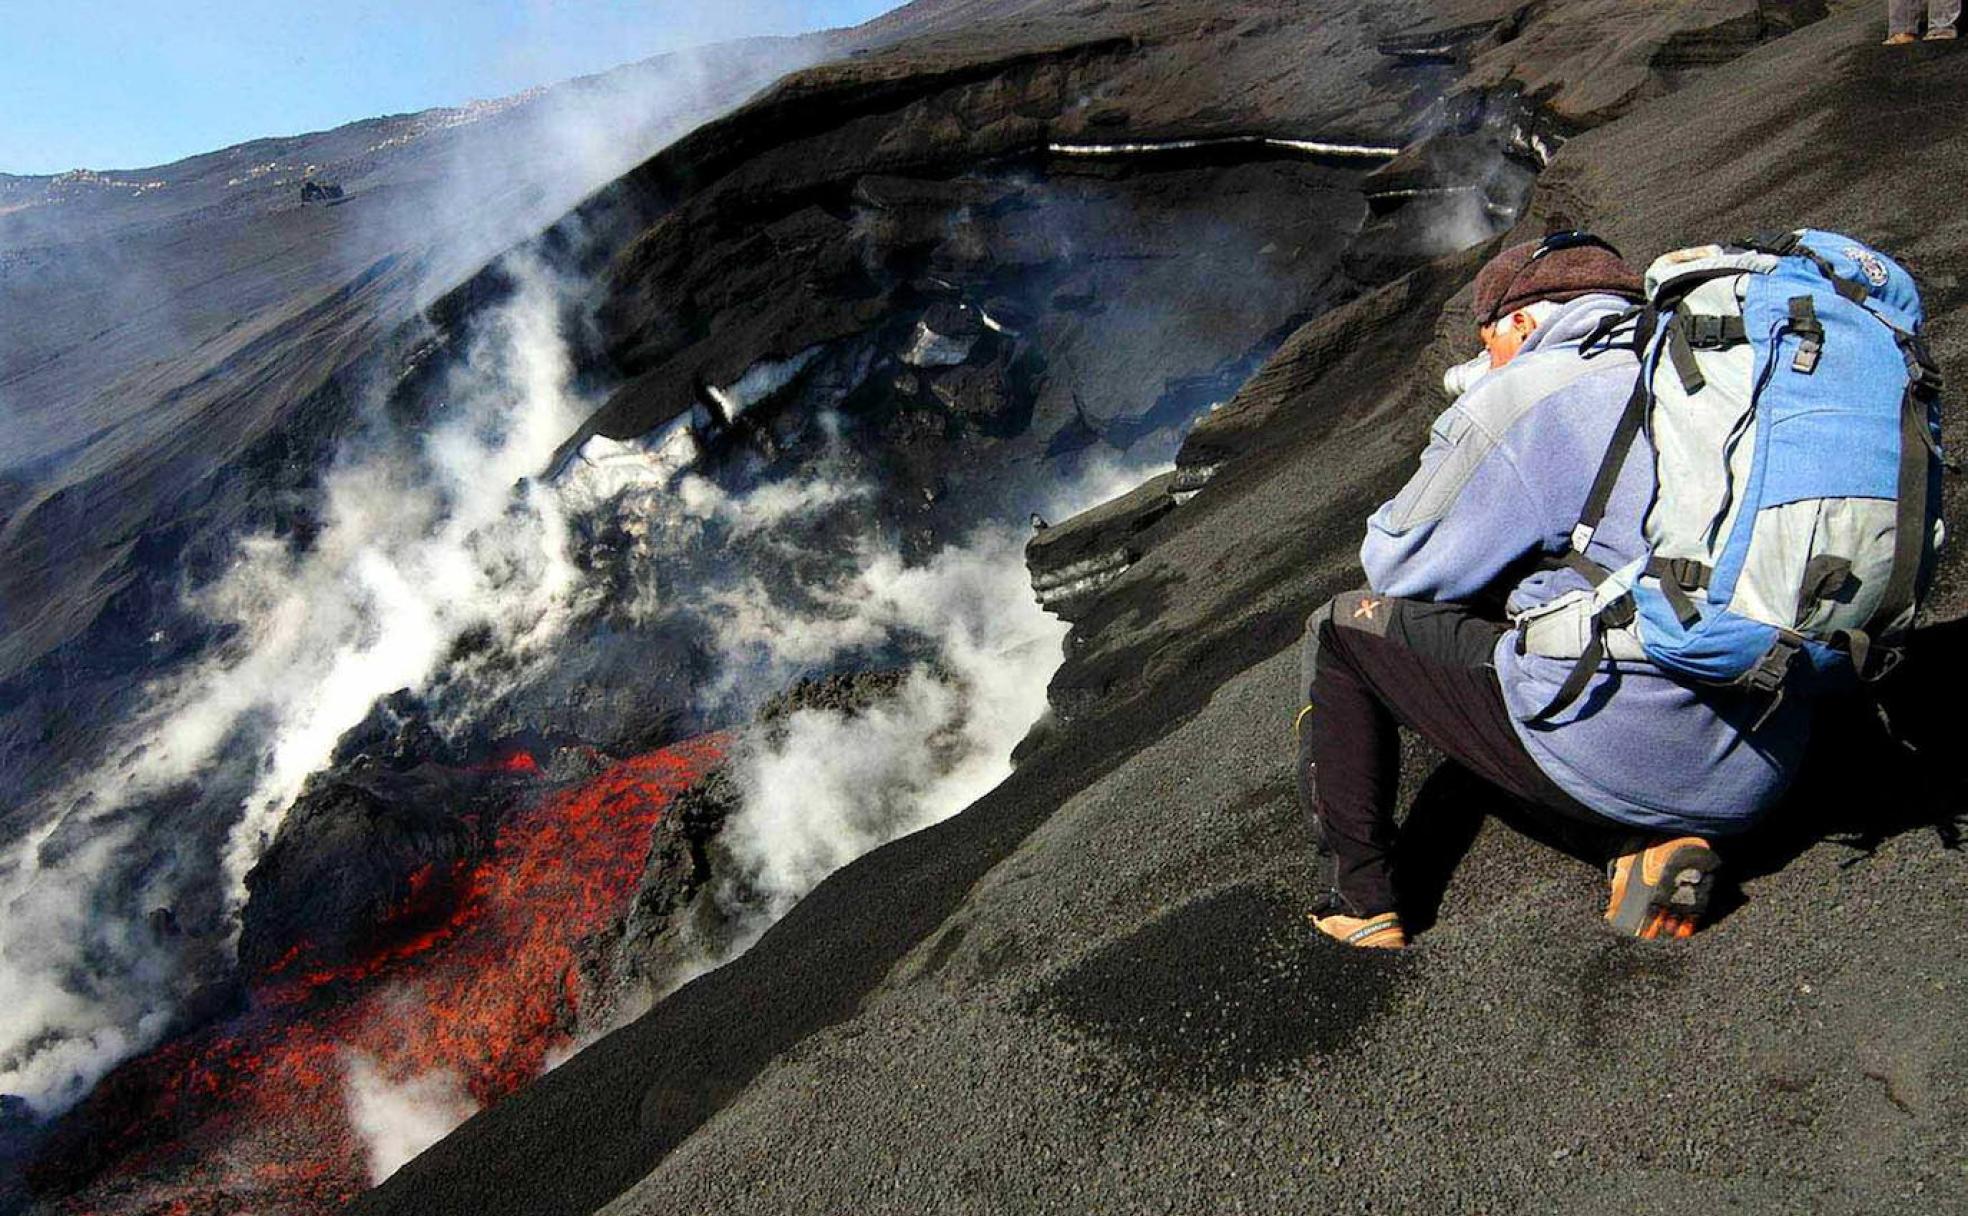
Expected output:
(1791, 245)
(1918, 454)
(1631, 419)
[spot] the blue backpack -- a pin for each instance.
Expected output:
(1794, 415)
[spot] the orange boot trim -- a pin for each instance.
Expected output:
(1382, 932)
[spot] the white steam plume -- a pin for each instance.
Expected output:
(832, 786)
(59, 1038)
(768, 506)
(409, 560)
(507, 170)
(399, 1119)
(414, 552)
(416, 548)
(824, 787)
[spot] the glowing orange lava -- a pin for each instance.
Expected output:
(255, 1113)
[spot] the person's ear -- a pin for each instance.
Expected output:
(1523, 322)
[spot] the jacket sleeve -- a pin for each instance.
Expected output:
(1467, 515)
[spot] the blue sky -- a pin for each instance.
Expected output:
(123, 84)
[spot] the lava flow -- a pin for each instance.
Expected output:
(296, 1105)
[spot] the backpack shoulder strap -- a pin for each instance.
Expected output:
(1631, 419)
(1619, 612)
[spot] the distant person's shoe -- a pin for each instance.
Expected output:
(1948, 35)
(1899, 40)
(1382, 932)
(1663, 890)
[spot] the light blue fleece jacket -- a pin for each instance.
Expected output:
(1502, 481)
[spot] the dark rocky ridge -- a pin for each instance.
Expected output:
(944, 1024)
(1072, 271)
(869, 190)
(1590, 65)
(1073, 561)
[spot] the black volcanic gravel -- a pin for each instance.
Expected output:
(1272, 995)
(944, 1026)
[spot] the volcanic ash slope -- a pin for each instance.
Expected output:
(1094, 989)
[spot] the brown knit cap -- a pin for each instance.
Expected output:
(1512, 279)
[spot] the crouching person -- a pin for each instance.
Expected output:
(1616, 759)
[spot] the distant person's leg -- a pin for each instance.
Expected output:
(1903, 21)
(1943, 19)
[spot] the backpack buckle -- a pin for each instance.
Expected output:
(1707, 332)
(1770, 671)
(1619, 614)
(1805, 324)
(1921, 368)
(1773, 241)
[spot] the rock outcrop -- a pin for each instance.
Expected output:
(695, 904)
(364, 854)
(1073, 561)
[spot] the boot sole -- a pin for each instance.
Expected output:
(1673, 904)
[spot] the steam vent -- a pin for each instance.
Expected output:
(723, 637)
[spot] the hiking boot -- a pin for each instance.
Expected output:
(1381, 932)
(1663, 890)
(1947, 35)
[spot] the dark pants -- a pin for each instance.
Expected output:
(1373, 664)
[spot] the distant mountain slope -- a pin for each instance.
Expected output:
(180, 354)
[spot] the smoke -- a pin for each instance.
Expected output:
(768, 507)
(414, 551)
(830, 785)
(399, 1119)
(821, 787)
(421, 539)
(59, 1038)
(411, 557)
(1486, 151)
(425, 539)
(120, 900)
(505, 176)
